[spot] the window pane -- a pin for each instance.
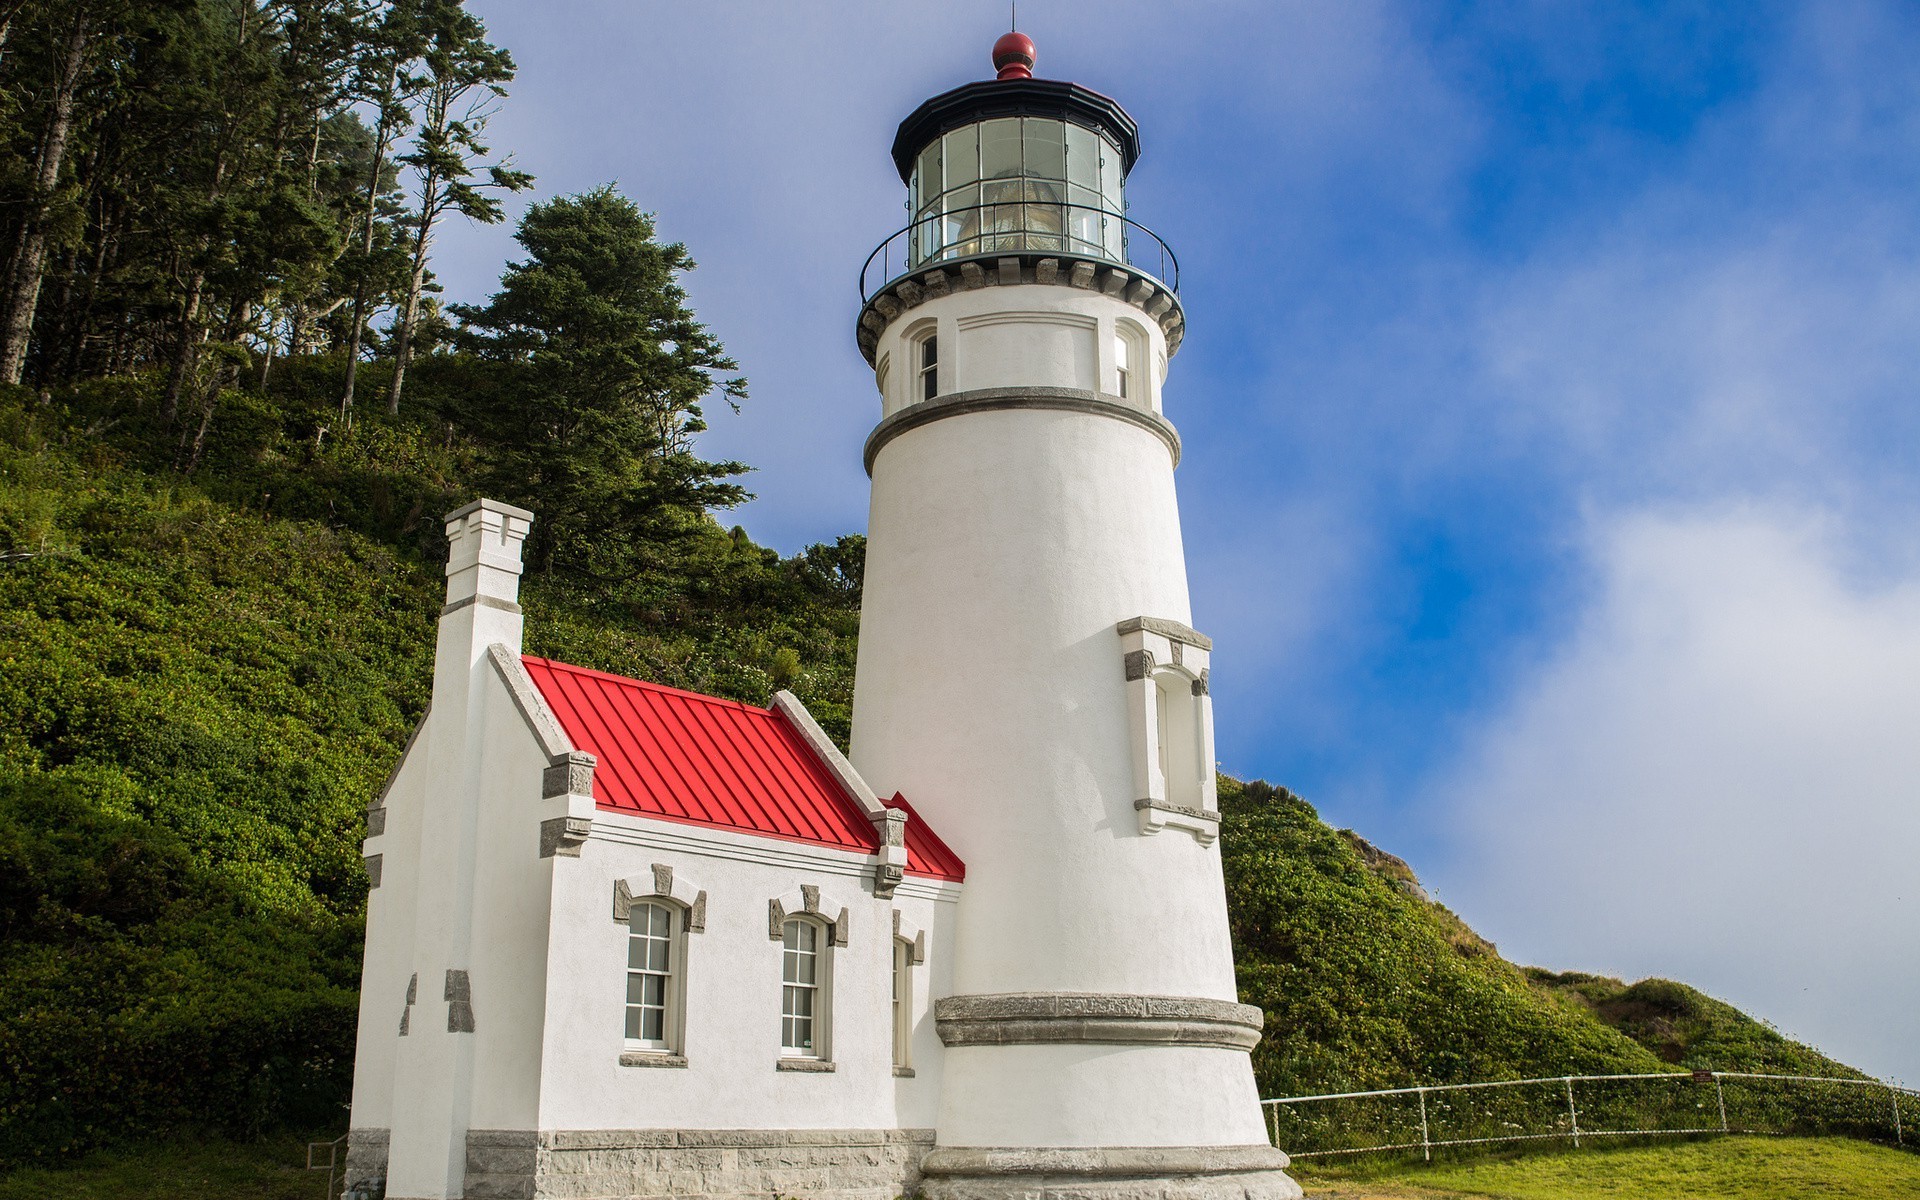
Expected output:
(636, 953)
(927, 175)
(1045, 153)
(654, 992)
(633, 1023)
(790, 934)
(1083, 156)
(1110, 176)
(963, 156)
(995, 193)
(1000, 148)
(636, 989)
(653, 1024)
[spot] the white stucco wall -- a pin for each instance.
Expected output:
(512, 917)
(387, 959)
(733, 988)
(1025, 335)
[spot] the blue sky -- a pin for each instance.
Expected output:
(1552, 456)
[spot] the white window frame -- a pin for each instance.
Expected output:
(926, 375)
(820, 989)
(902, 1005)
(673, 989)
(1131, 381)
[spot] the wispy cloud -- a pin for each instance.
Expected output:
(1716, 779)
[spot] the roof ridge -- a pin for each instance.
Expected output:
(644, 683)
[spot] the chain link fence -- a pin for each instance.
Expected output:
(1587, 1108)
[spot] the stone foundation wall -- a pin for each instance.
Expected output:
(694, 1164)
(366, 1158)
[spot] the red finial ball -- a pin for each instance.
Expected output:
(1013, 56)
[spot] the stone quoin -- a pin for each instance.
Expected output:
(627, 941)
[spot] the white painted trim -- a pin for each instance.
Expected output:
(726, 845)
(527, 698)
(1071, 320)
(788, 705)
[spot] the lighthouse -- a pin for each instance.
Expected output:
(1029, 672)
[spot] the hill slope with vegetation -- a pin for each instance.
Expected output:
(231, 409)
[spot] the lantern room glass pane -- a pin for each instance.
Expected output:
(1000, 148)
(928, 173)
(963, 156)
(1044, 148)
(1083, 156)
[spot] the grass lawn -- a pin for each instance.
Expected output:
(266, 1170)
(1738, 1168)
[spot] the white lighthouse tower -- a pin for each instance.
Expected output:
(1028, 672)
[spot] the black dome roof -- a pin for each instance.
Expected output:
(1014, 98)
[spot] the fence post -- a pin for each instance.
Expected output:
(1426, 1143)
(1899, 1136)
(1573, 1113)
(1720, 1094)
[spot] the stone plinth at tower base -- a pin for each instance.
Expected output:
(1108, 1173)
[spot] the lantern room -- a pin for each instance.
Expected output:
(1016, 164)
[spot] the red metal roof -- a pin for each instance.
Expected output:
(700, 760)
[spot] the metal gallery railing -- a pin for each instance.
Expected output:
(1019, 227)
(1570, 1108)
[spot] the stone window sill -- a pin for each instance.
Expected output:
(903, 1072)
(651, 1058)
(817, 1065)
(1156, 815)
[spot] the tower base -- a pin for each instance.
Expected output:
(1107, 1173)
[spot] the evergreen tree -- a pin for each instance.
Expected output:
(465, 75)
(596, 372)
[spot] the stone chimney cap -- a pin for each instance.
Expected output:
(505, 510)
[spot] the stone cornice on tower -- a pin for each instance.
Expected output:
(1151, 296)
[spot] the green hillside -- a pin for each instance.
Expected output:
(1368, 984)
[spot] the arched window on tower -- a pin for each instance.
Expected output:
(1131, 378)
(927, 364)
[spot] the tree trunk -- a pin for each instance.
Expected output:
(382, 135)
(192, 333)
(16, 328)
(403, 346)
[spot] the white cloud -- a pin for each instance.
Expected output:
(1716, 778)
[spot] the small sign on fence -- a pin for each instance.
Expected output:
(1703, 1076)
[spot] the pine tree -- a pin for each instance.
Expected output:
(465, 75)
(597, 373)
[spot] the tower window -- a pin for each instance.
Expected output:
(1123, 369)
(650, 976)
(1177, 739)
(803, 977)
(929, 367)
